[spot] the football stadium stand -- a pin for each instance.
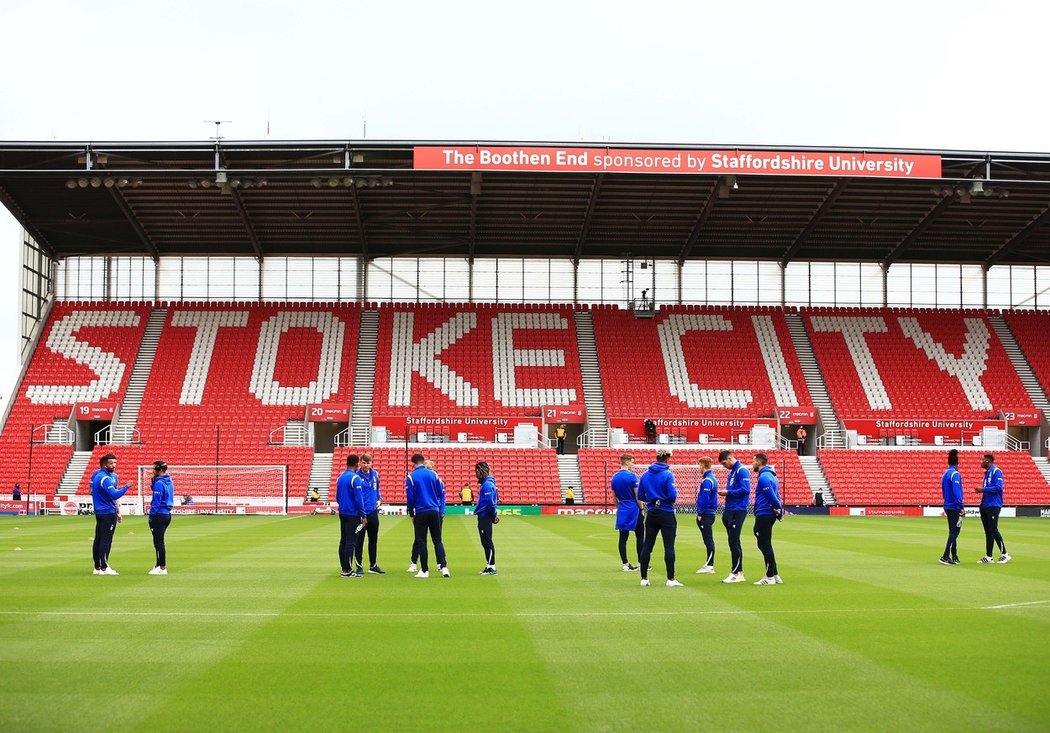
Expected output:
(698, 362)
(903, 478)
(1031, 329)
(933, 364)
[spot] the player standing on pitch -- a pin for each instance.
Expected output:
(425, 495)
(160, 514)
(104, 495)
(629, 517)
(738, 494)
(706, 505)
(991, 492)
(487, 512)
(349, 490)
(657, 489)
(768, 509)
(952, 491)
(372, 500)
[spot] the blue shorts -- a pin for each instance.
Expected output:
(627, 516)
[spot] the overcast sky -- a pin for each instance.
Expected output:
(969, 75)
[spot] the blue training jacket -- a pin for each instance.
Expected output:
(707, 494)
(348, 492)
(424, 491)
(370, 494)
(952, 489)
(163, 495)
(624, 485)
(488, 498)
(767, 492)
(656, 488)
(738, 488)
(104, 491)
(992, 490)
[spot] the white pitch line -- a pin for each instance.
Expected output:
(1017, 605)
(494, 614)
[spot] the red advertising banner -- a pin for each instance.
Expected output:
(801, 415)
(95, 411)
(642, 160)
(15, 507)
(716, 429)
(950, 432)
(328, 413)
(569, 510)
(1023, 418)
(485, 429)
(558, 414)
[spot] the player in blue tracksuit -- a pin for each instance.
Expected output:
(737, 494)
(991, 491)
(104, 496)
(160, 514)
(487, 513)
(372, 500)
(425, 495)
(706, 505)
(349, 492)
(629, 517)
(952, 491)
(656, 488)
(768, 509)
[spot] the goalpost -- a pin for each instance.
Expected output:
(214, 489)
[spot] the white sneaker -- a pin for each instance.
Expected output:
(445, 572)
(734, 578)
(96, 571)
(706, 570)
(158, 571)
(1004, 558)
(412, 568)
(628, 568)
(423, 574)
(767, 581)
(986, 560)
(673, 584)
(108, 571)
(645, 582)
(778, 579)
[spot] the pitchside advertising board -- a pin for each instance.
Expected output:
(559, 159)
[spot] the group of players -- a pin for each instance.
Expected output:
(646, 506)
(359, 500)
(991, 491)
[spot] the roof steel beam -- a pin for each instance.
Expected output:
(823, 209)
(125, 208)
(1018, 239)
(701, 220)
(585, 229)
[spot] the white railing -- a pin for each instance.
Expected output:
(543, 442)
(595, 438)
(293, 435)
(125, 435)
(831, 439)
(786, 443)
(1013, 443)
(352, 436)
(53, 434)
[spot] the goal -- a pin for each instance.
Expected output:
(221, 489)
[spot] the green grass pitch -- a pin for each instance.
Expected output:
(254, 630)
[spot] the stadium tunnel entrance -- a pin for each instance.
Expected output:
(572, 432)
(85, 432)
(324, 435)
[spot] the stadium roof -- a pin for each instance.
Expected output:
(355, 197)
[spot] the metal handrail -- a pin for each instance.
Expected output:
(124, 435)
(294, 435)
(1013, 443)
(595, 438)
(53, 434)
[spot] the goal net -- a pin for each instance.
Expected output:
(221, 489)
(687, 478)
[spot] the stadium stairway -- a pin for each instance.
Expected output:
(1021, 366)
(321, 474)
(818, 390)
(1043, 464)
(123, 427)
(569, 475)
(818, 482)
(593, 394)
(364, 378)
(75, 469)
